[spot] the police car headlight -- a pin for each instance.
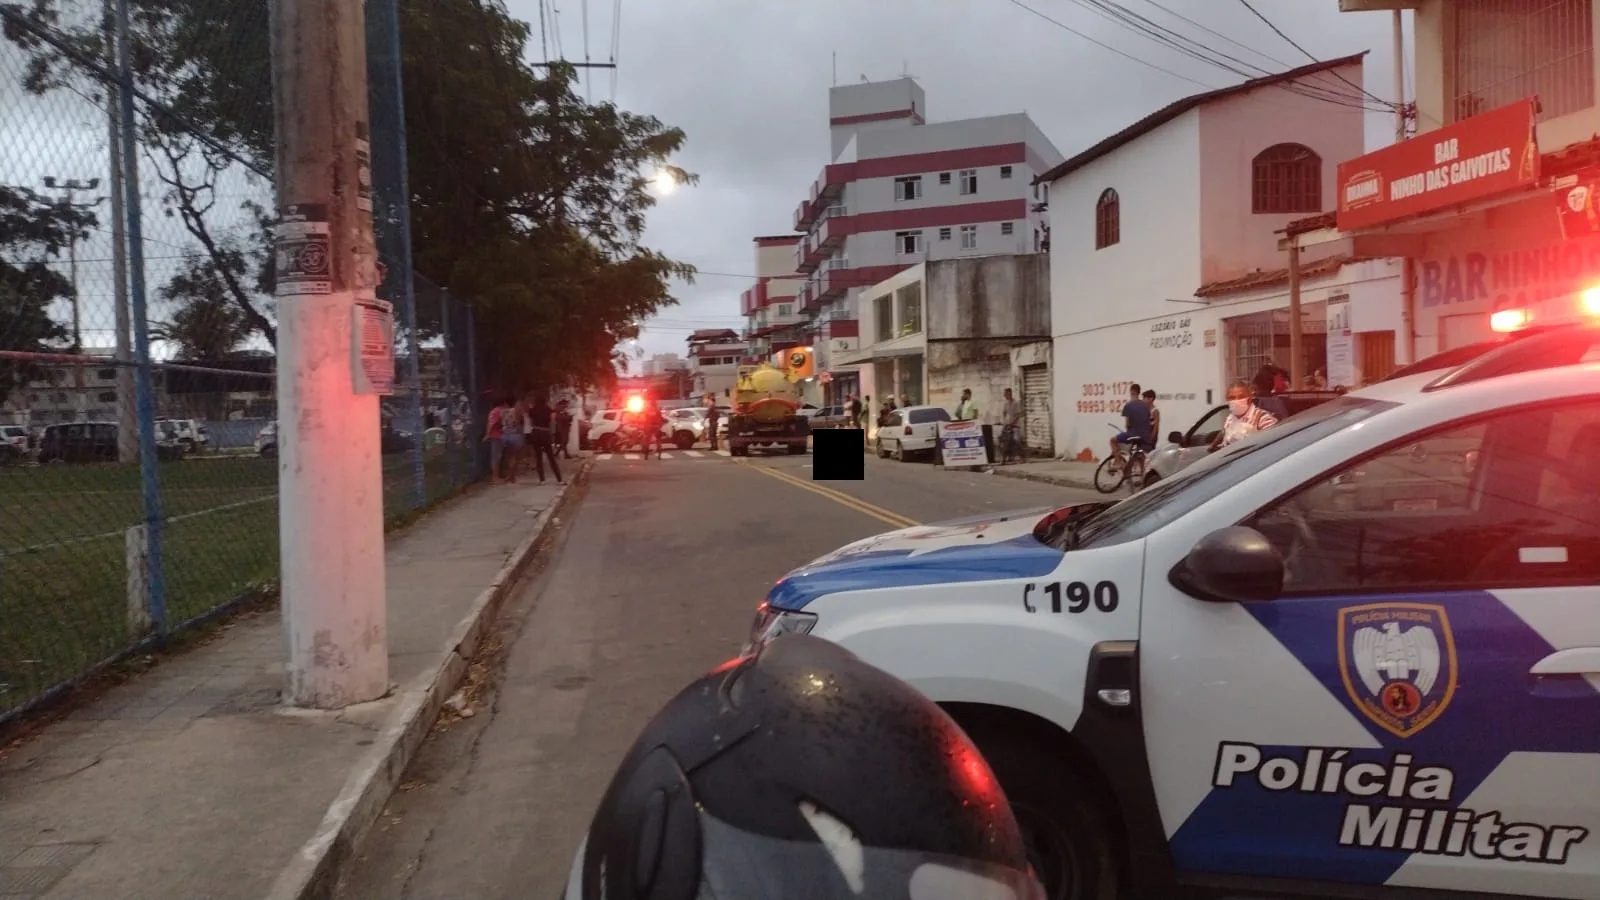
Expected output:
(772, 623)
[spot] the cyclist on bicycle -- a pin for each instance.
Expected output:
(650, 421)
(1137, 418)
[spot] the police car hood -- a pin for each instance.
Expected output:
(989, 547)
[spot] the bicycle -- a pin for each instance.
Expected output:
(1116, 470)
(1010, 445)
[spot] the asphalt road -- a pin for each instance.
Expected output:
(652, 582)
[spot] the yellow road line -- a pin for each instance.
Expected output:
(839, 497)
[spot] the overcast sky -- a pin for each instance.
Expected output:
(748, 82)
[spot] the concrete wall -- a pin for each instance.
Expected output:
(871, 98)
(984, 366)
(1233, 240)
(989, 297)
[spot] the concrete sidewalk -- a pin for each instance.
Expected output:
(190, 780)
(1067, 473)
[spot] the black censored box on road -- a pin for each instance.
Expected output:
(837, 454)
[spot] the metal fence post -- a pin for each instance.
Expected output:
(451, 452)
(144, 388)
(386, 99)
(474, 402)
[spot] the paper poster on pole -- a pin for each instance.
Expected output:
(372, 347)
(302, 243)
(1341, 345)
(961, 444)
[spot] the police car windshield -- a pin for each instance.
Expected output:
(1168, 500)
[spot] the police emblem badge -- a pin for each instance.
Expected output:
(1398, 663)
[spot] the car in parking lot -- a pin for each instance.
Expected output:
(13, 444)
(1354, 655)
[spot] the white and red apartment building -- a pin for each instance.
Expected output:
(715, 355)
(899, 191)
(1493, 201)
(771, 312)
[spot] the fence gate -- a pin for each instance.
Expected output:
(1036, 408)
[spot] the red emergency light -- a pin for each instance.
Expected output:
(1559, 311)
(635, 403)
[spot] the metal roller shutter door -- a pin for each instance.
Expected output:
(1036, 408)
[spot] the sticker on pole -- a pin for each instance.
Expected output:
(363, 169)
(372, 347)
(961, 444)
(303, 250)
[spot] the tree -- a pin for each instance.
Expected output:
(33, 231)
(205, 324)
(525, 200)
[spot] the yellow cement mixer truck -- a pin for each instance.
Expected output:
(766, 410)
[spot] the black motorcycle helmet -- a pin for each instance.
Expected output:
(802, 772)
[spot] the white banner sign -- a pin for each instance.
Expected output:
(961, 443)
(1341, 346)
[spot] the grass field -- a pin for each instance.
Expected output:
(63, 578)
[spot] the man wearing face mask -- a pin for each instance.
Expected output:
(1244, 417)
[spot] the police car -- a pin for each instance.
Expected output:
(1356, 655)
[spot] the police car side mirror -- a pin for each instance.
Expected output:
(1231, 565)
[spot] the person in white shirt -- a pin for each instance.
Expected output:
(1244, 416)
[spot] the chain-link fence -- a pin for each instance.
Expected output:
(138, 435)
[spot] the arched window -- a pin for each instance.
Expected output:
(1286, 178)
(1107, 220)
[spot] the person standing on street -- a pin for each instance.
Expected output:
(966, 410)
(514, 432)
(1155, 417)
(1011, 425)
(713, 415)
(541, 426)
(856, 420)
(494, 436)
(564, 428)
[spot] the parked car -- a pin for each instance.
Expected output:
(1183, 449)
(84, 442)
(687, 426)
(189, 432)
(267, 440)
(832, 417)
(603, 430)
(911, 429)
(13, 444)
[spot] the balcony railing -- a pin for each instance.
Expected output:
(828, 187)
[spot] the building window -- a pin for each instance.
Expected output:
(944, 177)
(944, 234)
(883, 316)
(1005, 171)
(908, 188)
(969, 237)
(1505, 52)
(1107, 219)
(106, 374)
(108, 396)
(1007, 227)
(969, 181)
(785, 309)
(1286, 178)
(1037, 239)
(908, 243)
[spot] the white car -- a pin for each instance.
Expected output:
(189, 432)
(603, 430)
(13, 443)
(910, 429)
(1355, 655)
(267, 440)
(686, 426)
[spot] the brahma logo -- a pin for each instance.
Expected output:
(1398, 662)
(1361, 189)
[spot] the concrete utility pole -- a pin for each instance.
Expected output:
(330, 485)
(1297, 364)
(127, 420)
(69, 189)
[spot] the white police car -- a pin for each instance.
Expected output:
(1357, 655)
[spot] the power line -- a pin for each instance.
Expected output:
(1143, 62)
(1198, 50)
(616, 44)
(1279, 32)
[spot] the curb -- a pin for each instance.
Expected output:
(1060, 481)
(315, 870)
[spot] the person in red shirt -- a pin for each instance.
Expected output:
(494, 436)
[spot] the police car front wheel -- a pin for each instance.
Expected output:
(1067, 836)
